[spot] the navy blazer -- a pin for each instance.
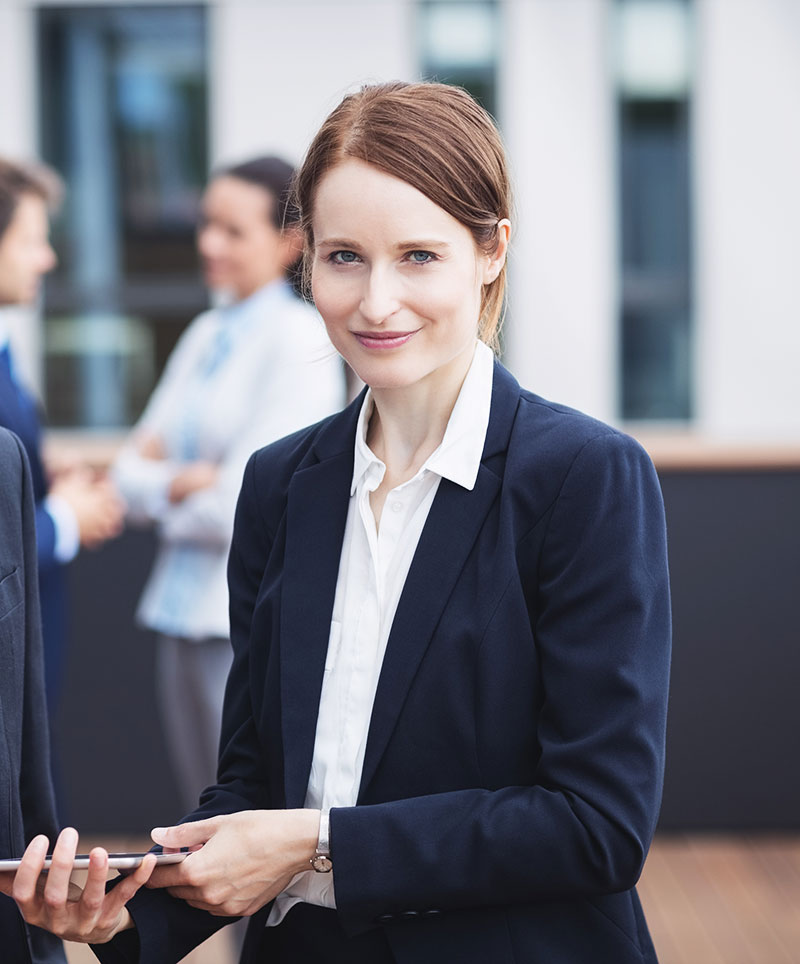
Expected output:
(18, 412)
(27, 806)
(513, 768)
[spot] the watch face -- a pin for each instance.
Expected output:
(322, 864)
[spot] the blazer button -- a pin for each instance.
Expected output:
(430, 914)
(408, 915)
(384, 919)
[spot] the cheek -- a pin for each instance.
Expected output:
(334, 297)
(450, 294)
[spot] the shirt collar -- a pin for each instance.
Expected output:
(458, 456)
(260, 304)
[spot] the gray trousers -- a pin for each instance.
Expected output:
(190, 686)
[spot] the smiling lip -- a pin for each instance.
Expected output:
(383, 340)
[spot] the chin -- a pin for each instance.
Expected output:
(385, 377)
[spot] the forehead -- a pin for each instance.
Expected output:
(30, 214)
(355, 198)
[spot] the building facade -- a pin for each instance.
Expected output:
(655, 146)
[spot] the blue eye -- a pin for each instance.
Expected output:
(343, 257)
(421, 257)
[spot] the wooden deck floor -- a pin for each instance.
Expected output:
(724, 900)
(708, 900)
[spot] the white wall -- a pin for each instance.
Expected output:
(557, 117)
(279, 66)
(747, 198)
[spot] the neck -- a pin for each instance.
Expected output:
(247, 291)
(409, 423)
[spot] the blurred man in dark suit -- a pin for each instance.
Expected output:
(73, 508)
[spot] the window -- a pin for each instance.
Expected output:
(123, 119)
(653, 75)
(458, 45)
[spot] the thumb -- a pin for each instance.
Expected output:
(185, 834)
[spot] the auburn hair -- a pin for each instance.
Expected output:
(439, 140)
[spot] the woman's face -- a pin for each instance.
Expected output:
(396, 278)
(25, 252)
(240, 248)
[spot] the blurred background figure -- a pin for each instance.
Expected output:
(244, 374)
(74, 507)
(27, 807)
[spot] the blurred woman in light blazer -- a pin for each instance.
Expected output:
(242, 375)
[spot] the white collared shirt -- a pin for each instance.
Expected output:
(372, 572)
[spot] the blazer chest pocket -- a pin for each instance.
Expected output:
(11, 592)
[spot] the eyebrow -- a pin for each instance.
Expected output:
(336, 243)
(402, 246)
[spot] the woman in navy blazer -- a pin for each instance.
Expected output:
(511, 778)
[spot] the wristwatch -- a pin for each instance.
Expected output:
(321, 861)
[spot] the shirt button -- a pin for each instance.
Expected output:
(397, 506)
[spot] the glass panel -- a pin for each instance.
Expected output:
(655, 238)
(652, 48)
(458, 45)
(123, 118)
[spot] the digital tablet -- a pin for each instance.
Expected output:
(116, 861)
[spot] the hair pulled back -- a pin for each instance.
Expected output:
(273, 175)
(437, 139)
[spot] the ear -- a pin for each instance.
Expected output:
(494, 262)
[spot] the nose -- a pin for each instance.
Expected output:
(379, 299)
(209, 241)
(49, 259)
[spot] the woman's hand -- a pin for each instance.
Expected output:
(51, 901)
(194, 477)
(245, 859)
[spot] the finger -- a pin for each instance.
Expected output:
(170, 875)
(122, 893)
(27, 877)
(185, 834)
(94, 890)
(56, 888)
(6, 882)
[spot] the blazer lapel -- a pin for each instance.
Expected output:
(315, 519)
(455, 519)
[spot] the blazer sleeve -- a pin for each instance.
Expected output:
(45, 537)
(35, 785)
(598, 603)
(36, 790)
(144, 483)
